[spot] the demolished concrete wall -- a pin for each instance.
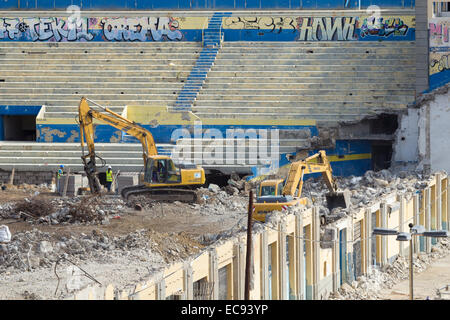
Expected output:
(421, 140)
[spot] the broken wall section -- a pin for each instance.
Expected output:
(422, 138)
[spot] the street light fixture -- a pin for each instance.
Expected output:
(404, 236)
(384, 232)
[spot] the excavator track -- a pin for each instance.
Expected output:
(160, 194)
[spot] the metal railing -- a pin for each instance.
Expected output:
(203, 30)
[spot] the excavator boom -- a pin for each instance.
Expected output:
(292, 190)
(165, 184)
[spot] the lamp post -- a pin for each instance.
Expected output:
(404, 236)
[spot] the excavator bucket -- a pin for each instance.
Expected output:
(338, 199)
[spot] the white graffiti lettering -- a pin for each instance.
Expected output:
(138, 29)
(323, 29)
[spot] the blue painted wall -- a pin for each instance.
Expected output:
(201, 4)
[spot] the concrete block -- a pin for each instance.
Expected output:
(75, 182)
(126, 180)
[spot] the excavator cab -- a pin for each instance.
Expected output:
(271, 188)
(160, 170)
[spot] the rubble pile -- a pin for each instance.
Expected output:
(44, 187)
(370, 286)
(75, 210)
(364, 190)
(30, 250)
(216, 201)
(173, 246)
(31, 208)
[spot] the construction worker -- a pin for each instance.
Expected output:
(109, 178)
(58, 176)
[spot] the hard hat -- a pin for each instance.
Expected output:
(61, 166)
(109, 167)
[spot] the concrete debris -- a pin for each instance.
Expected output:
(34, 249)
(371, 285)
(5, 234)
(363, 190)
(213, 188)
(84, 210)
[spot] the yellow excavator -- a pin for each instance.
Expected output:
(163, 181)
(274, 196)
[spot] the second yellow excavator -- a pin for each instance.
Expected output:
(163, 180)
(273, 195)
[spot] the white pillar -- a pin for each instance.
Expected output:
(282, 260)
(438, 202)
(368, 240)
(401, 223)
(316, 252)
(416, 222)
(264, 266)
(214, 273)
(300, 254)
(428, 218)
(188, 282)
(383, 217)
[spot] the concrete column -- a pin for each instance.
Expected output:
(335, 266)
(283, 277)
(416, 221)
(239, 270)
(316, 252)
(428, 218)
(438, 202)
(214, 273)
(188, 282)
(367, 239)
(264, 266)
(401, 222)
(448, 203)
(161, 289)
(300, 266)
(383, 218)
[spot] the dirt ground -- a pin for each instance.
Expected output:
(174, 231)
(164, 218)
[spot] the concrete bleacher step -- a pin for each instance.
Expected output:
(126, 157)
(91, 68)
(297, 98)
(215, 106)
(368, 85)
(118, 74)
(90, 91)
(280, 80)
(331, 59)
(299, 73)
(80, 85)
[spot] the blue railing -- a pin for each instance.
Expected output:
(212, 38)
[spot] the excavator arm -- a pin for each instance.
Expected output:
(86, 119)
(299, 168)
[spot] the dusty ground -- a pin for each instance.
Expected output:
(167, 232)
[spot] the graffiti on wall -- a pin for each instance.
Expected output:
(439, 33)
(439, 62)
(383, 27)
(90, 29)
(439, 42)
(327, 28)
(271, 24)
